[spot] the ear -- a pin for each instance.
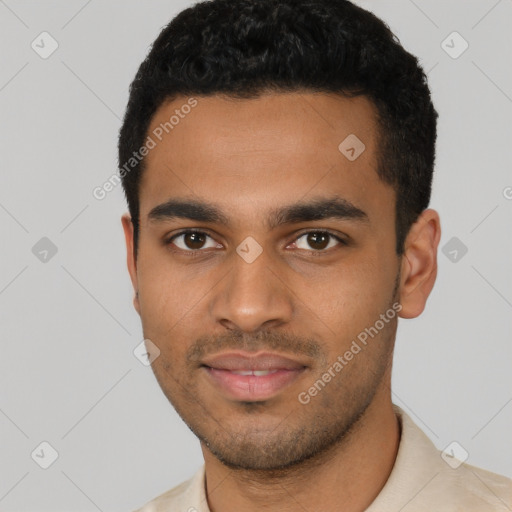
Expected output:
(130, 257)
(419, 263)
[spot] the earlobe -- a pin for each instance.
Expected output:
(419, 264)
(130, 257)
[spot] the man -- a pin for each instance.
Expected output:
(277, 159)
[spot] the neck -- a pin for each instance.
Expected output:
(348, 477)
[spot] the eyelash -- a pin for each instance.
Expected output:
(194, 252)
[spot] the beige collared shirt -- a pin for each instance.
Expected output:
(421, 481)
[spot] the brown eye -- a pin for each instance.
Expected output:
(192, 241)
(318, 240)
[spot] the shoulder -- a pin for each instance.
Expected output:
(425, 479)
(476, 488)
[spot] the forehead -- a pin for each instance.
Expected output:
(275, 149)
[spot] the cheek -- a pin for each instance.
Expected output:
(165, 292)
(352, 297)
(158, 302)
(171, 305)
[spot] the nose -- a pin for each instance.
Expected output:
(252, 296)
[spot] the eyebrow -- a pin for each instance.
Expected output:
(316, 209)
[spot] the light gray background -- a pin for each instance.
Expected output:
(68, 375)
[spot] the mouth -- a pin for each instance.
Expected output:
(251, 377)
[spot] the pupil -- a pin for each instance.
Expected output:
(313, 239)
(196, 240)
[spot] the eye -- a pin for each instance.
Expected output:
(192, 240)
(318, 241)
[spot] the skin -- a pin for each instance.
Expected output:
(297, 298)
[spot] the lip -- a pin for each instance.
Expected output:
(279, 372)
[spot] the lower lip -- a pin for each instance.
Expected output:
(251, 388)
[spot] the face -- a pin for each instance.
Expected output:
(265, 255)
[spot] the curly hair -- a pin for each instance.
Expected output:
(244, 48)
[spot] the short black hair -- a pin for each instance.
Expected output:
(244, 48)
